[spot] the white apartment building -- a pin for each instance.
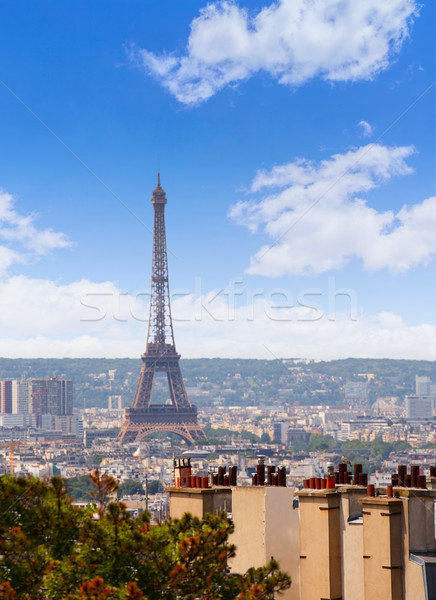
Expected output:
(20, 396)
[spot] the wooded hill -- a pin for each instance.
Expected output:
(234, 381)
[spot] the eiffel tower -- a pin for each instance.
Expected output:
(145, 418)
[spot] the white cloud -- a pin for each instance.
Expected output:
(24, 240)
(318, 221)
(41, 318)
(7, 258)
(292, 40)
(365, 128)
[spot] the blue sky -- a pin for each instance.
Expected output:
(296, 147)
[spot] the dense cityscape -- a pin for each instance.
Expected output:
(249, 414)
(276, 438)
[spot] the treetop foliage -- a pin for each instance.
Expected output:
(369, 454)
(51, 549)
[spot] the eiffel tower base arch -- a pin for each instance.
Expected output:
(142, 422)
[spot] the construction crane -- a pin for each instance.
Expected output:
(11, 456)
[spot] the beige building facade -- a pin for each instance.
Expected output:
(382, 550)
(266, 526)
(336, 544)
(199, 501)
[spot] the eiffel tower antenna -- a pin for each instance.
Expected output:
(180, 416)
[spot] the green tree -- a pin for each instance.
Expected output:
(38, 524)
(380, 450)
(155, 487)
(129, 487)
(183, 558)
(318, 442)
(265, 438)
(80, 488)
(50, 549)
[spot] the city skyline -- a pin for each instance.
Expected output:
(296, 148)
